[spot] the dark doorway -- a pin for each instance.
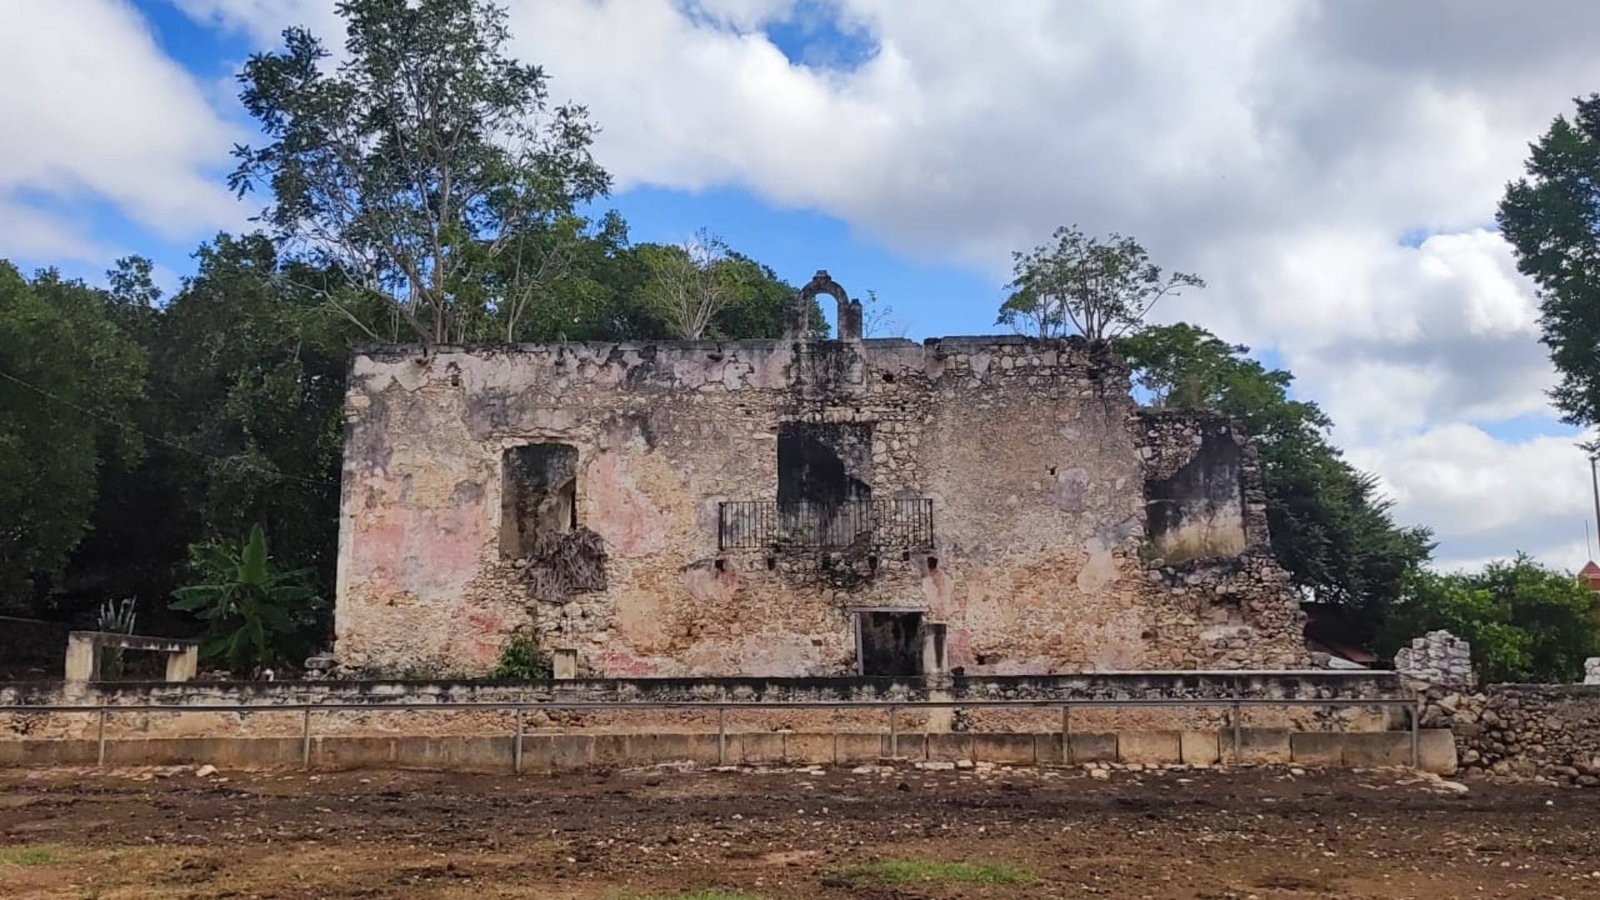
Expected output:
(538, 496)
(891, 643)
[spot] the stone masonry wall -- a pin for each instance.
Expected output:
(1545, 733)
(1029, 451)
(1437, 657)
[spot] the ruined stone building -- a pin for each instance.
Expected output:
(797, 507)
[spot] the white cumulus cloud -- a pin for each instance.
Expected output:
(1330, 166)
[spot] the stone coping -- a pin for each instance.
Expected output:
(133, 641)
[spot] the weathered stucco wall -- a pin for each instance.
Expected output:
(1033, 455)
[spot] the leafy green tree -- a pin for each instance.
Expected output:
(1525, 621)
(428, 168)
(1101, 288)
(1331, 529)
(256, 614)
(244, 402)
(691, 285)
(69, 378)
(1552, 219)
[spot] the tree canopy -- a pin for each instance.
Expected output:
(1525, 621)
(1552, 219)
(69, 375)
(428, 168)
(1100, 288)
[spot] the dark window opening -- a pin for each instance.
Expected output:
(824, 481)
(539, 496)
(824, 463)
(891, 643)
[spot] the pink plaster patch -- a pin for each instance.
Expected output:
(632, 525)
(622, 665)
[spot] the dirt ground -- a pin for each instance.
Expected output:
(876, 832)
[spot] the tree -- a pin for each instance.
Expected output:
(691, 284)
(244, 399)
(1101, 288)
(1552, 219)
(1331, 530)
(257, 614)
(428, 169)
(1525, 621)
(69, 377)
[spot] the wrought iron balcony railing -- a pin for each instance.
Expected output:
(876, 525)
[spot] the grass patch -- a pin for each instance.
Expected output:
(31, 856)
(926, 871)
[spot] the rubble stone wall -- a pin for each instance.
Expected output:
(1538, 732)
(1033, 454)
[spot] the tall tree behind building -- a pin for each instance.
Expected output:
(428, 168)
(1331, 529)
(70, 375)
(1552, 219)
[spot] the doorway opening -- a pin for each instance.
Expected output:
(889, 643)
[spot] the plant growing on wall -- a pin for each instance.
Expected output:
(521, 659)
(256, 613)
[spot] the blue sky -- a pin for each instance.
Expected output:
(1331, 169)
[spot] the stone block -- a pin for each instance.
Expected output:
(1436, 751)
(1088, 747)
(910, 746)
(851, 748)
(801, 749)
(1265, 746)
(1149, 747)
(759, 748)
(1199, 748)
(1047, 750)
(1371, 749)
(949, 747)
(1006, 749)
(1317, 748)
(612, 750)
(669, 747)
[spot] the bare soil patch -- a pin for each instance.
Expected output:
(901, 833)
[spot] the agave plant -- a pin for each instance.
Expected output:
(254, 611)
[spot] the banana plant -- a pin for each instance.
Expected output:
(252, 609)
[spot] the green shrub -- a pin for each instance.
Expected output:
(521, 659)
(256, 614)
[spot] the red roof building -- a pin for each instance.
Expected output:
(1591, 574)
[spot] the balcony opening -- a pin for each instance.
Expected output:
(827, 464)
(890, 643)
(538, 496)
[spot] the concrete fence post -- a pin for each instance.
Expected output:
(100, 739)
(722, 736)
(894, 736)
(1066, 734)
(1238, 714)
(516, 748)
(305, 738)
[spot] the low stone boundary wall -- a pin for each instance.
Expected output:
(569, 752)
(1176, 685)
(1537, 732)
